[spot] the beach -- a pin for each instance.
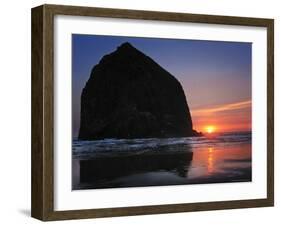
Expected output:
(116, 163)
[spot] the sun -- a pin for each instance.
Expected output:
(210, 129)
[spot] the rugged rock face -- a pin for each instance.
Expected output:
(128, 95)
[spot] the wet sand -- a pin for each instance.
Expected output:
(186, 165)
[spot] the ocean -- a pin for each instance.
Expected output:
(115, 163)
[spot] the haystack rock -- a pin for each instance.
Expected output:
(128, 95)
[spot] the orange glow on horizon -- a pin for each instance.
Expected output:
(210, 129)
(228, 117)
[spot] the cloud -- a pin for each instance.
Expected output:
(225, 107)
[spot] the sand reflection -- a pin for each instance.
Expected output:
(215, 161)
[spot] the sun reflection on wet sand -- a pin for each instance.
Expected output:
(208, 161)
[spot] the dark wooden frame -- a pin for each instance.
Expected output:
(42, 112)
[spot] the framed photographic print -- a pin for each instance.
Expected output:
(141, 112)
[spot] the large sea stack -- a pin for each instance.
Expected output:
(128, 95)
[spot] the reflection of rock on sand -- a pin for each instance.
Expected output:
(104, 169)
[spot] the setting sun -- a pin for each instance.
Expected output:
(210, 129)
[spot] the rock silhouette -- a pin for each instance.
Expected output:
(128, 95)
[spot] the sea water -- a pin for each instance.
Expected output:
(112, 163)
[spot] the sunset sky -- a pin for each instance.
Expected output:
(216, 76)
